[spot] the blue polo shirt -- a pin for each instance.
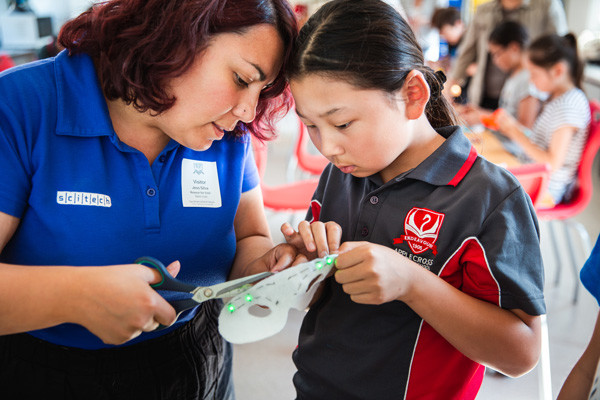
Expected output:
(86, 198)
(590, 273)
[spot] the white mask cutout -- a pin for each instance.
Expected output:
(242, 320)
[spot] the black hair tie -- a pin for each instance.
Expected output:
(441, 76)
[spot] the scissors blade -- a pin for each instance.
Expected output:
(229, 288)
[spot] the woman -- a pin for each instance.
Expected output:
(132, 142)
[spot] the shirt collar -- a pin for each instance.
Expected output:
(450, 162)
(82, 109)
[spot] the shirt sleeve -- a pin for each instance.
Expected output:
(590, 273)
(570, 113)
(510, 238)
(466, 52)
(251, 178)
(557, 18)
(15, 184)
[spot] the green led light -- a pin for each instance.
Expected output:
(231, 307)
(248, 297)
(329, 260)
(318, 265)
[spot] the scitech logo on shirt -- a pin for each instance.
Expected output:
(83, 199)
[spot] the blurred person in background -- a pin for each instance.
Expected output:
(519, 97)
(538, 16)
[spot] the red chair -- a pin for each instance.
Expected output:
(534, 179)
(302, 159)
(294, 196)
(582, 195)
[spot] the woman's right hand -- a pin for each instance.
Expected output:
(315, 239)
(117, 303)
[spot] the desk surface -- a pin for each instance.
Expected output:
(490, 147)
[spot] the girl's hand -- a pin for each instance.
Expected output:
(117, 303)
(314, 240)
(507, 124)
(373, 274)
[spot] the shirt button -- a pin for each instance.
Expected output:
(150, 192)
(162, 159)
(374, 199)
(364, 231)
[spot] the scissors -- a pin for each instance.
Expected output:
(199, 293)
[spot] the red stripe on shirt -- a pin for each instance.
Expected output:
(465, 167)
(438, 370)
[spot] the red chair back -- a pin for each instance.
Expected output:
(582, 194)
(293, 196)
(311, 163)
(533, 178)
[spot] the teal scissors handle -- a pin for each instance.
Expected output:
(170, 284)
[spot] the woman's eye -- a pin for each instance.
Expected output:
(240, 81)
(343, 126)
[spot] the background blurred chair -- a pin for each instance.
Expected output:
(561, 214)
(302, 159)
(534, 179)
(290, 197)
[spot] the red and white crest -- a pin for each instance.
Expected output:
(421, 227)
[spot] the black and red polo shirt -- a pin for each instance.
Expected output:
(459, 216)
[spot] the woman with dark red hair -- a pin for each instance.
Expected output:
(135, 141)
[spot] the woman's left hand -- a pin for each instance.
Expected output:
(277, 259)
(373, 274)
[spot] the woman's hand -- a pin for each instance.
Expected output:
(373, 274)
(117, 303)
(315, 239)
(277, 259)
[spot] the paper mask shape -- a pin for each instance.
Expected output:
(242, 320)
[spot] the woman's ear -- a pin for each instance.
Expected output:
(416, 92)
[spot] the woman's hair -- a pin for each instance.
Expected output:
(509, 32)
(138, 46)
(548, 50)
(369, 44)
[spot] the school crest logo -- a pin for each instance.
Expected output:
(422, 227)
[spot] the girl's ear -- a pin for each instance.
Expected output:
(416, 93)
(559, 69)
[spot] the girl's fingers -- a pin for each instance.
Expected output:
(305, 231)
(287, 230)
(319, 234)
(334, 236)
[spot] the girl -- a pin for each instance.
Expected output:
(439, 271)
(560, 131)
(507, 45)
(134, 142)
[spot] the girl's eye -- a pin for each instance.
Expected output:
(344, 126)
(240, 81)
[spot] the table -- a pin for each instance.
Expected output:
(489, 146)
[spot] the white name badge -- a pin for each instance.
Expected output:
(200, 184)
